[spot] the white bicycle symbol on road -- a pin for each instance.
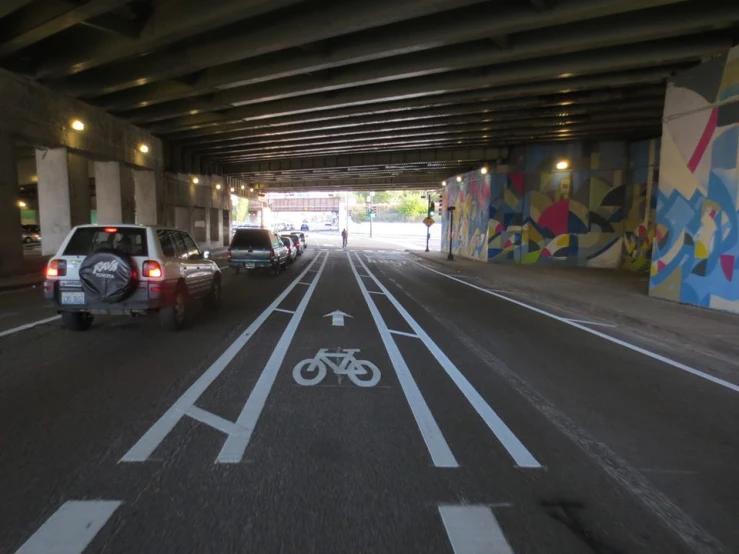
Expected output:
(312, 371)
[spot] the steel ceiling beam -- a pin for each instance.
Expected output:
(448, 126)
(618, 31)
(474, 23)
(9, 6)
(171, 21)
(587, 63)
(40, 20)
(476, 101)
(303, 27)
(455, 155)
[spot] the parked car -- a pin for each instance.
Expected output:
(254, 249)
(302, 237)
(30, 234)
(130, 270)
(291, 248)
(295, 241)
(304, 227)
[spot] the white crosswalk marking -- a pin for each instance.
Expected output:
(71, 528)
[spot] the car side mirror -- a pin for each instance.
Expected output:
(206, 254)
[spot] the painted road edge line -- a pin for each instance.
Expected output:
(473, 530)
(512, 444)
(438, 448)
(628, 345)
(146, 445)
(28, 326)
(71, 528)
(233, 449)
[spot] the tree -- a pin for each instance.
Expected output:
(412, 207)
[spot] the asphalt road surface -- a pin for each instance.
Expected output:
(361, 402)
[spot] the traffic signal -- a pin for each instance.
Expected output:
(432, 209)
(441, 206)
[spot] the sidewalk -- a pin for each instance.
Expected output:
(33, 274)
(615, 297)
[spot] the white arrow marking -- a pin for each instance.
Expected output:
(337, 318)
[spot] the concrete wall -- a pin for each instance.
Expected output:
(529, 212)
(696, 253)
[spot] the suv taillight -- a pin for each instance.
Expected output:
(272, 254)
(152, 269)
(228, 254)
(56, 268)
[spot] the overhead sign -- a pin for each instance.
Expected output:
(311, 371)
(429, 221)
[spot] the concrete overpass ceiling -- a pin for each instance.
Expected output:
(276, 91)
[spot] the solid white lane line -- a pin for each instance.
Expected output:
(474, 530)
(585, 322)
(507, 438)
(28, 326)
(284, 311)
(703, 375)
(71, 528)
(141, 451)
(441, 454)
(235, 445)
(404, 334)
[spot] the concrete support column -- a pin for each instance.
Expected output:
(220, 227)
(146, 196)
(115, 193)
(208, 237)
(11, 248)
(63, 195)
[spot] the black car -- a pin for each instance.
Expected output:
(253, 249)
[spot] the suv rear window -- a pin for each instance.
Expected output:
(86, 240)
(251, 238)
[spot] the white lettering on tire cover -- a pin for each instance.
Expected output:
(105, 270)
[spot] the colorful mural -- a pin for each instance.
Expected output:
(470, 200)
(696, 250)
(576, 217)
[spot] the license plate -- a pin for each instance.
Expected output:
(249, 266)
(73, 298)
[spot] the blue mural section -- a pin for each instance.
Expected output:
(530, 212)
(696, 251)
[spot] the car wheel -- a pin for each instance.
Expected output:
(214, 296)
(76, 321)
(27, 240)
(174, 317)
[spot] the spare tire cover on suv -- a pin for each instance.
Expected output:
(108, 276)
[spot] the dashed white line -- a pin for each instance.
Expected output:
(28, 326)
(71, 528)
(474, 530)
(403, 334)
(507, 438)
(686, 368)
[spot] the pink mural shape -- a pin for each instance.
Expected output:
(727, 264)
(702, 146)
(555, 217)
(517, 182)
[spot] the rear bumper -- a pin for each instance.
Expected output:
(252, 264)
(149, 296)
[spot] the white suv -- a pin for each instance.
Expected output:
(129, 270)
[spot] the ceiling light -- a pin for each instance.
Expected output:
(443, 183)
(242, 187)
(484, 169)
(563, 164)
(459, 178)
(251, 189)
(218, 186)
(21, 204)
(77, 125)
(195, 180)
(233, 189)
(143, 148)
